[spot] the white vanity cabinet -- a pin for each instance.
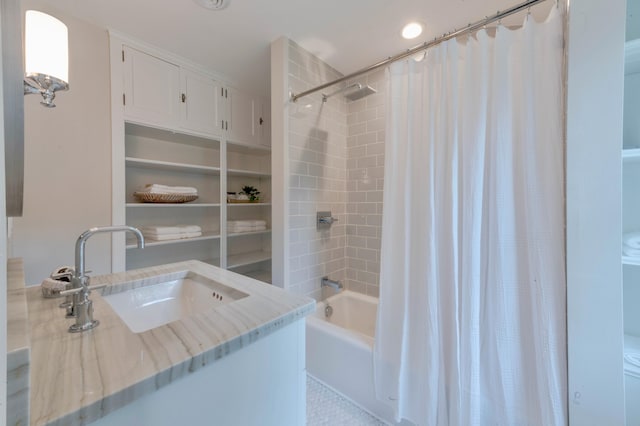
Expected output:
(175, 124)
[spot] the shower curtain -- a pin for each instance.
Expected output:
(471, 322)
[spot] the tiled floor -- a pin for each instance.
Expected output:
(327, 408)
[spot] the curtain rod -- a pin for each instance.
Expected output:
(426, 45)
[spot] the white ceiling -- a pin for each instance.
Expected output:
(347, 34)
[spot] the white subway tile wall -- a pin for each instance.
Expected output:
(365, 173)
(318, 177)
(336, 157)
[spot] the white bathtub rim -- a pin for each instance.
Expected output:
(341, 333)
(354, 294)
(317, 320)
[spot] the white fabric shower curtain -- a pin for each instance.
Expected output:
(471, 322)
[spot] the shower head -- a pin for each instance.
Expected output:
(359, 93)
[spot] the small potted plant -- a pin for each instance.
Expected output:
(251, 193)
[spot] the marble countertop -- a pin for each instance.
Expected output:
(78, 378)
(18, 348)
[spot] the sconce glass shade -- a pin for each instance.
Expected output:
(46, 56)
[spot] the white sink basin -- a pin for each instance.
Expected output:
(159, 303)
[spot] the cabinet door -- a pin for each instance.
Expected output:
(151, 88)
(242, 122)
(263, 118)
(199, 103)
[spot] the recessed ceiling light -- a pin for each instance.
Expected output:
(213, 4)
(411, 30)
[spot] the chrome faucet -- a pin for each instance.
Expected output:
(334, 284)
(81, 308)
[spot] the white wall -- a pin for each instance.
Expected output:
(594, 277)
(68, 160)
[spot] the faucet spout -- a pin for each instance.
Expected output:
(334, 284)
(82, 240)
(81, 308)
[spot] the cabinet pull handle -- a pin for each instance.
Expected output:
(261, 121)
(184, 98)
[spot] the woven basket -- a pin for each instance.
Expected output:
(147, 197)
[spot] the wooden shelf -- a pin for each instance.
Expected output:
(249, 258)
(152, 243)
(239, 234)
(185, 137)
(240, 148)
(630, 260)
(167, 165)
(247, 204)
(631, 155)
(156, 205)
(249, 173)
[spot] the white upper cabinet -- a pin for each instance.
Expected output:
(242, 125)
(199, 100)
(176, 97)
(245, 118)
(151, 88)
(264, 121)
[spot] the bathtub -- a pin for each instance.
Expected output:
(340, 349)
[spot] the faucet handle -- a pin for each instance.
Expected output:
(79, 289)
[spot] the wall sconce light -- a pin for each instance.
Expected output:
(46, 56)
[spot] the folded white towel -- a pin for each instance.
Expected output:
(165, 189)
(632, 239)
(628, 251)
(166, 237)
(163, 230)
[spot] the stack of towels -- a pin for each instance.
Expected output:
(163, 233)
(632, 355)
(237, 226)
(155, 188)
(631, 244)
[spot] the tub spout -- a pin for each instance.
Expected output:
(334, 284)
